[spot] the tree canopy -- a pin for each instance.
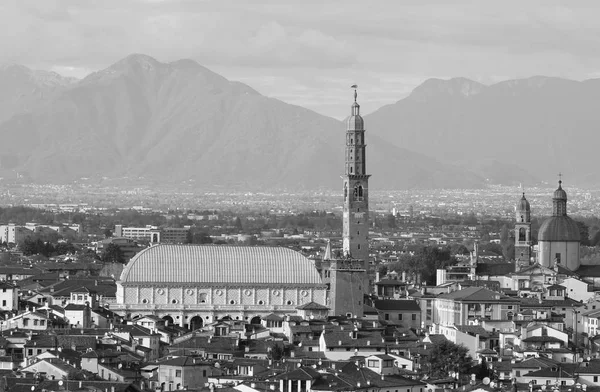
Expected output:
(448, 357)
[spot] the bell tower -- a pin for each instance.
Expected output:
(355, 233)
(523, 234)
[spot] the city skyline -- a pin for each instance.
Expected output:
(310, 55)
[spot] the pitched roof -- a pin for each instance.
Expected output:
(494, 269)
(400, 304)
(312, 306)
(478, 294)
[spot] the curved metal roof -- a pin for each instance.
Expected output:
(523, 204)
(560, 193)
(559, 228)
(220, 264)
(356, 123)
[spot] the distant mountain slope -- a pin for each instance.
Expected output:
(540, 126)
(145, 121)
(23, 89)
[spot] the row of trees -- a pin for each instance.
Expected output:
(425, 261)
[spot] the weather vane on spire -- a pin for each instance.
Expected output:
(354, 86)
(559, 178)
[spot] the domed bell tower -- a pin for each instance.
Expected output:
(355, 231)
(523, 234)
(349, 279)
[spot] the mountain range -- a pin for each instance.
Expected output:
(141, 121)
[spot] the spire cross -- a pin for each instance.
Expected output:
(354, 86)
(559, 178)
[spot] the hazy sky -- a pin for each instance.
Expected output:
(309, 52)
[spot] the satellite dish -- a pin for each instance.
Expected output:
(580, 360)
(60, 383)
(486, 381)
(33, 387)
(492, 384)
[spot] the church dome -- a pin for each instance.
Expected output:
(225, 265)
(560, 193)
(523, 204)
(559, 228)
(355, 121)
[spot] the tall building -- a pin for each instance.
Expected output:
(523, 233)
(559, 236)
(356, 190)
(348, 275)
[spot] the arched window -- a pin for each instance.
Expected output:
(522, 219)
(358, 192)
(522, 234)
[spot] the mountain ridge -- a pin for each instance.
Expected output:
(143, 120)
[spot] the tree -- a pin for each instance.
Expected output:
(112, 254)
(584, 233)
(107, 233)
(277, 352)
(238, 224)
(198, 237)
(448, 357)
(482, 370)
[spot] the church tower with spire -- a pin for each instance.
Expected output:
(355, 233)
(348, 273)
(523, 234)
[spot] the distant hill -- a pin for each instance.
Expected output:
(23, 89)
(143, 121)
(525, 130)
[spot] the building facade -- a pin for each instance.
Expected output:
(559, 236)
(198, 284)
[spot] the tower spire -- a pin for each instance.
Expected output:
(559, 179)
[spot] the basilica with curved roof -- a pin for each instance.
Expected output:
(558, 236)
(192, 285)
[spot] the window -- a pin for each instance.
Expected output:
(372, 363)
(518, 373)
(42, 322)
(557, 258)
(414, 316)
(30, 351)
(25, 322)
(35, 321)
(3, 302)
(178, 373)
(400, 317)
(595, 378)
(386, 316)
